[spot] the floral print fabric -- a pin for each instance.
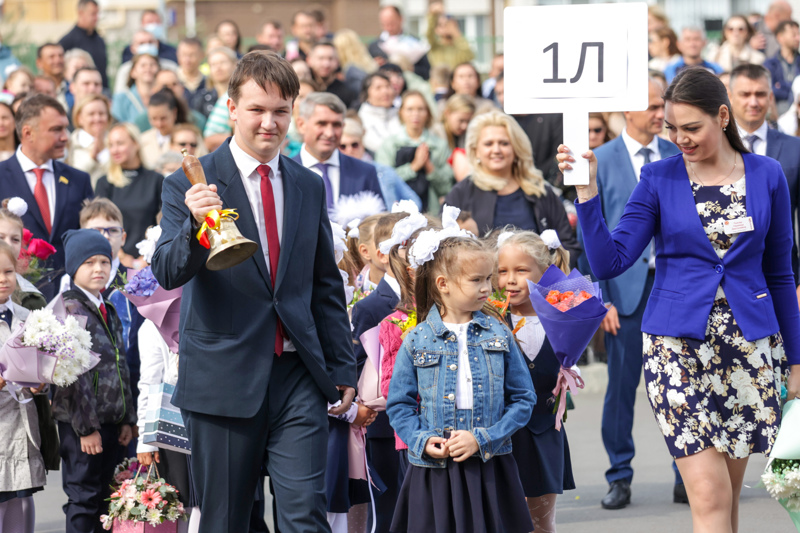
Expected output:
(722, 392)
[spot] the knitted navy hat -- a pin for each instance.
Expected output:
(80, 245)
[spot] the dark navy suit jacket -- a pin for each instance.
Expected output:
(229, 317)
(355, 176)
(367, 314)
(785, 149)
(616, 180)
(72, 188)
(756, 272)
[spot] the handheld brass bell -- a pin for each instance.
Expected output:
(219, 233)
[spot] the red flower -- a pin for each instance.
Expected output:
(41, 249)
(26, 236)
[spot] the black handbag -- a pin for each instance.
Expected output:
(419, 184)
(48, 433)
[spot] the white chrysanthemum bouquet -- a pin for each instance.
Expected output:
(50, 347)
(782, 475)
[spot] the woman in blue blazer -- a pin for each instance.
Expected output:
(723, 317)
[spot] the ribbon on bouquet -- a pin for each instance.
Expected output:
(212, 222)
(359, 464)
(13, 389)
(568, 380)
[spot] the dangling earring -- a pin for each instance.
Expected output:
(478, 161)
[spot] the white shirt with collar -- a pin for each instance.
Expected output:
(334, 175)
(393, 283)
(92, 298)
(48, 179)
(247, 165)
(760, 147)
(637, 160)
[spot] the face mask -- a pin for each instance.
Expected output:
(157, 31)
(147, 48)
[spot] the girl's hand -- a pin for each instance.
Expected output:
(462, 445)
(793, 384)
(434, 451)
(125, 434)
(146, 458)
(92, 444)
(365, 416)
(585, 192)
(2, 383)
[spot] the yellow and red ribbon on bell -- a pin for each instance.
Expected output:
(212, 222)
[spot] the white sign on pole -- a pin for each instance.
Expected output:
(576, 59)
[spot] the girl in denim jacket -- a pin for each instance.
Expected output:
(459, 391)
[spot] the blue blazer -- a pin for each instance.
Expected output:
(785, 149)
(355, 176)
(367, 314)
(616, 180)
(756, 272)
(72, 188)
(781, 87)
(229, 317)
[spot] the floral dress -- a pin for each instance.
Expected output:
(723, 392)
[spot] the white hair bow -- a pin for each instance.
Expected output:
(428, 241)
(550, 238)
(147, 247)
(339, 238)
(503, 237)
(405, 206)
(403, 231)
(352, 226)
(17, 206)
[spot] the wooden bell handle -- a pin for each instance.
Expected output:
(193, 169)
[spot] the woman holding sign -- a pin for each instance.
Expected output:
(723, 313)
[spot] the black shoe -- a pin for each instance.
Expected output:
(619, 495)
(679, 494)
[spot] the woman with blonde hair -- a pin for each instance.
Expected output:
(418, 155)
(458, 111)
(506, 188)
(133, 188)
(87, 143)
(354, 58)
(735, 49)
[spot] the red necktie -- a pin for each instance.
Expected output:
(273, 242)
(104, 312)
(40, 194)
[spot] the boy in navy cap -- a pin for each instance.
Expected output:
(95, 414)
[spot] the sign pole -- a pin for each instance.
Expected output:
(576, 136)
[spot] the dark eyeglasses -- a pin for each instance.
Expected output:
(352, 146)
(113, 231)
(193, 145)
(595, 130)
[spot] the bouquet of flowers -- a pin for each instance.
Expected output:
(570, 309)
(499, 302)
(33, 250)
(406, 325)
(50, 347)
(129, 468)
(142, 499)
(155, 303)
(782, 475)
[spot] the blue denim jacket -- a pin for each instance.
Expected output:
(426, 368)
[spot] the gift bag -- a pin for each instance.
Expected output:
(369, 383)
(163, 423)
(129, 526)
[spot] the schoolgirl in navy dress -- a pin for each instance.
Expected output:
(541, 451)
(474, 393)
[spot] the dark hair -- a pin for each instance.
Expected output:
(747, 26)
(264, 67)
(394, 69)
(258, 47)
(751, 72)
(451, 92)
(192, 41)
(601, 117)
(321, 44)
(304, 12)
(238, 44)
(13, 117)
(393, 8)
(31, 109)
(167, 97)
(318, 15)
(368, 83)
(448, 261)
(697, 87)
(46, 45)
(784, 24)
(274, 23)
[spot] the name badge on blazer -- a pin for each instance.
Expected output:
(739, 225)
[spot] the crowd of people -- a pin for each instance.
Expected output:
(408, 145)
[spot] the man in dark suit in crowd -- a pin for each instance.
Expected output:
(320, 121)
(54, 191)
(265, 344)
(619, 165)
(84, 36)
(751, 95)
(324, 62)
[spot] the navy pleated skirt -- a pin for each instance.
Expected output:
(543, 461)
(468, 497)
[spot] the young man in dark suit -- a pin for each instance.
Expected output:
(54, 191)
(750, 93)
(265, 345)
(321, 121)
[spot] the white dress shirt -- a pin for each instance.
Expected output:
(464, 399)
(309, 161)
(92, 298)
(637, 160)
(760, 142)
(251, 179)
(49, 180)
(530, 336)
